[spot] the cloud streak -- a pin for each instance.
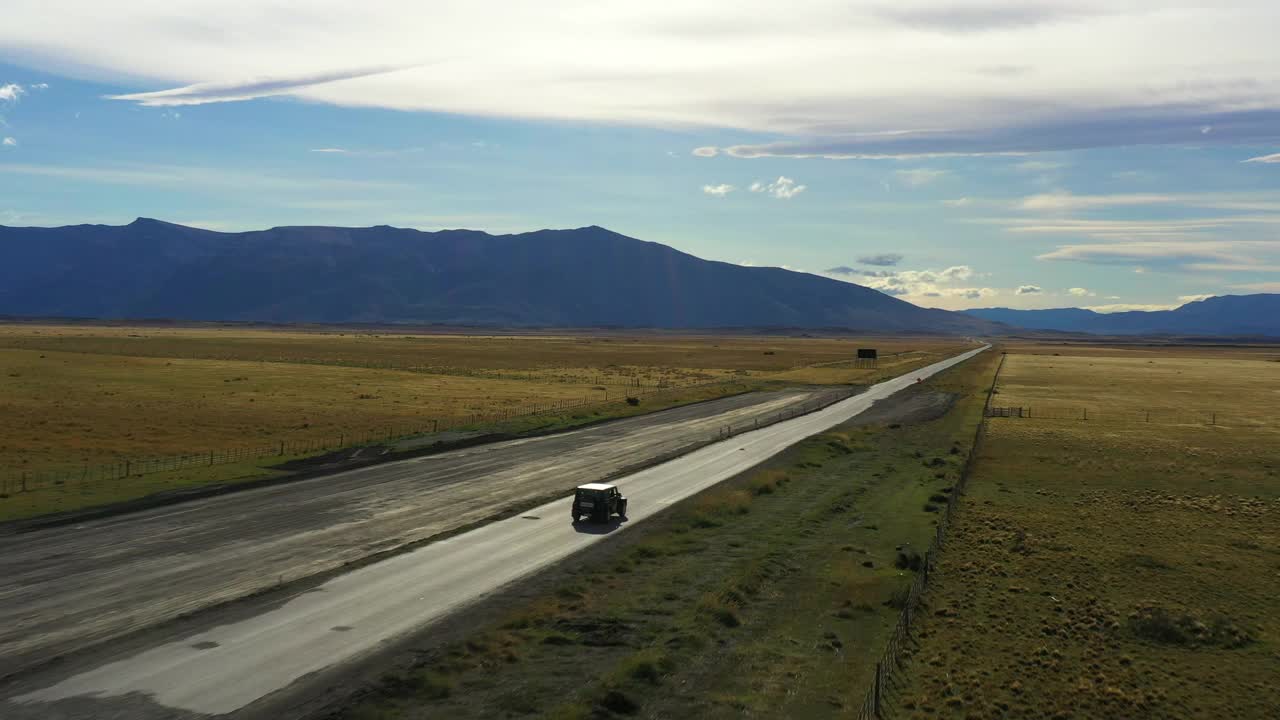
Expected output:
(918, 177)
(1118, 127)
(977, 18)
(881, 260)
(1218, 255)
(951, 78)
(248, 89)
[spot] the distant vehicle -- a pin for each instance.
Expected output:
(598, 502)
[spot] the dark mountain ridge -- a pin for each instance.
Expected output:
(1248, 315)
(585, 277)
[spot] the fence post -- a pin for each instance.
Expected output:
(1086, 413)
(211, 458)
(878, 691)
(1215, 419)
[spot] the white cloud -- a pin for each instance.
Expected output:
(881, 259)
(707, 151)
(10, 92)
(1065, 201)
(1204, 256)
(40, 86)
(1127, 307)
(1079, 292)
(1184, 299)
(1124, 229)
(926, 285)
(705, 64)
(1275, 158)
(1258, 287)
(9, 142)
(1038, 166)
(958, 202)
(329, 150)
(251, 88)
(918, 177)
(784, 188)
(1029, 290)
(718, 190)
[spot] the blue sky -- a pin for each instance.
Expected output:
(1028, 154)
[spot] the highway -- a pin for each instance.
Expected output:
(67, 587)
(228, 668)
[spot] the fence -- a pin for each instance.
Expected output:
(1164, 416)
(117, 471)
(890, 662)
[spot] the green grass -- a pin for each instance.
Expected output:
(771, 593)
(1101, 570)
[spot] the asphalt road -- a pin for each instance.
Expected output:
(64, 588)
(228, 668)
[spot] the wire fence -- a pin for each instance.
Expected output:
(1163, 416)
(886, 680)
(86, 475)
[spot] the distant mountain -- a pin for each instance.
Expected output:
(1254, 315)
(588, 277)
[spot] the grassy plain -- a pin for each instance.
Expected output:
(1115, 569)
(84, 395)
(770, 595)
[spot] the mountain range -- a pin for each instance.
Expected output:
(585, 277)
(1248, 315)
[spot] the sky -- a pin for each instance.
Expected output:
(1017, 153)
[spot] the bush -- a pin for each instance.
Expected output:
(1157, 625)
(616, 701)
(908, 560)
(633, 401)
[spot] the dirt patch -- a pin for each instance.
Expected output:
(909, 407)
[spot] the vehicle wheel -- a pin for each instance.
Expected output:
(575, 518)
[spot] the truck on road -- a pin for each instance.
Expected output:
(598, 502)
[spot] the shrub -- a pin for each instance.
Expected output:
(633, 401)
(1157, 625)
(616, 701)
(908, 560)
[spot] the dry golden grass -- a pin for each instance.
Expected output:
(618, 354)
(84, 394)
(1113, 569)
(64, 408)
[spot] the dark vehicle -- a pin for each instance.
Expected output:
(598, 502)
